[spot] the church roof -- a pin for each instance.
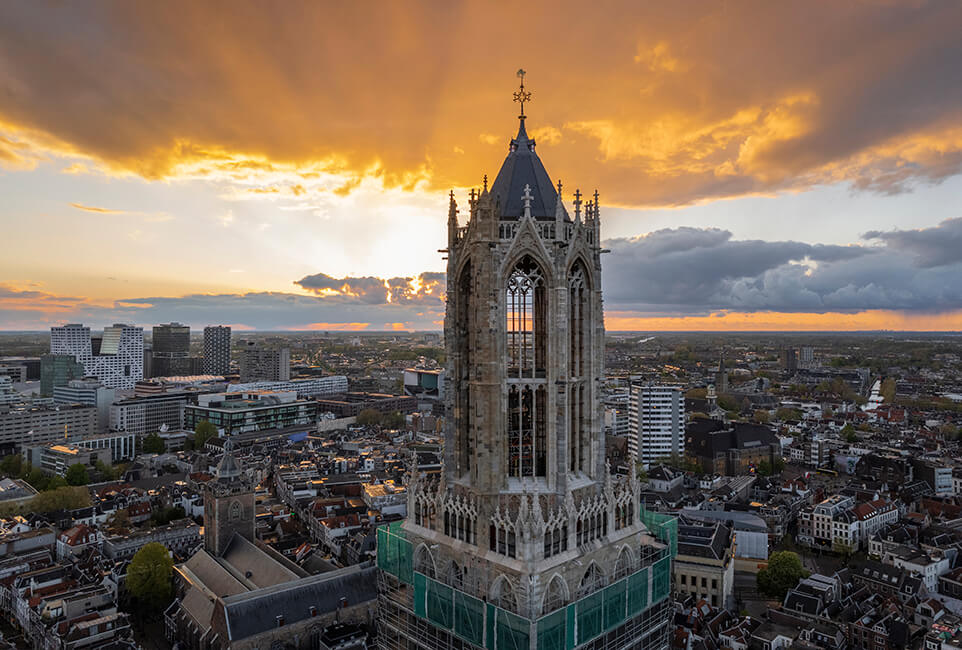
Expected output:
(523, 167)
(254, 564)
(255, 612)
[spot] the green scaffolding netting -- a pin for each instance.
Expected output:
(638, 592)
(440, 604)
(394, 554)
(663, 527)
(496, 629)
(661, 579)
(469, 618)
(552, 630)
(511, 632)
(616, 599)
(590, 616)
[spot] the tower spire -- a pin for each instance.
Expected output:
(521, 96)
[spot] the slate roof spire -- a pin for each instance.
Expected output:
(523, 168)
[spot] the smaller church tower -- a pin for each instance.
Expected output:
(228, 505)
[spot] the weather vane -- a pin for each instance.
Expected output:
(522, 96)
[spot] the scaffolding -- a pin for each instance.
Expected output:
(430, 614)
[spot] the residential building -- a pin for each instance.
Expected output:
(234, 413)
(704, 566)
(180, 537)
(216, 350)
(929, 566)
(170, 350)
(259, 363)
(806, 357)
(656, 429)
(90, 392)
(788, 359)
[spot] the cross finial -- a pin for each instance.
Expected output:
(577, 203)
(521, 96)
(527, 196)
(559, 188)
(485, 182)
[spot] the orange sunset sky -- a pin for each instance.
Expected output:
(761, 165)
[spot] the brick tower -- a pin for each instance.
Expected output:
(228, 504)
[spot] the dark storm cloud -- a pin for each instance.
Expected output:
(930, 247)
(681, 101)
(913, 271)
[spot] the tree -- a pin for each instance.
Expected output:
(761, 416)
(394, 420)
(887, 390)
(727, 402)
(203, 432)
(62, 498)
(848, 434)
(786, 414)
(12, 465)
(154, 444)
(56, 482)
(783, 572)
(369, 417)
(149, 576)
(77, 474)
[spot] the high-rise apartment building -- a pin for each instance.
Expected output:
(789, 359)
(806, 357)
(259, 363)
(118, 359)
(526, 540)
(170, 355)
(216, 350)
(656, 416)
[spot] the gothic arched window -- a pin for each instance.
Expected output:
(526, 345)
(424, 562)
(462, 415)
(526, 313)
(555, 596)
(592, 581)
(624, 564)
(235, 512)
(579, 365)
(502, 595)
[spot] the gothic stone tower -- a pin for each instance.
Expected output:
(525, 514)
(228, 505)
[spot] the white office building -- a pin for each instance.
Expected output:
(90, 392)
(656, 416)
(307, 387)
(119, 361)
